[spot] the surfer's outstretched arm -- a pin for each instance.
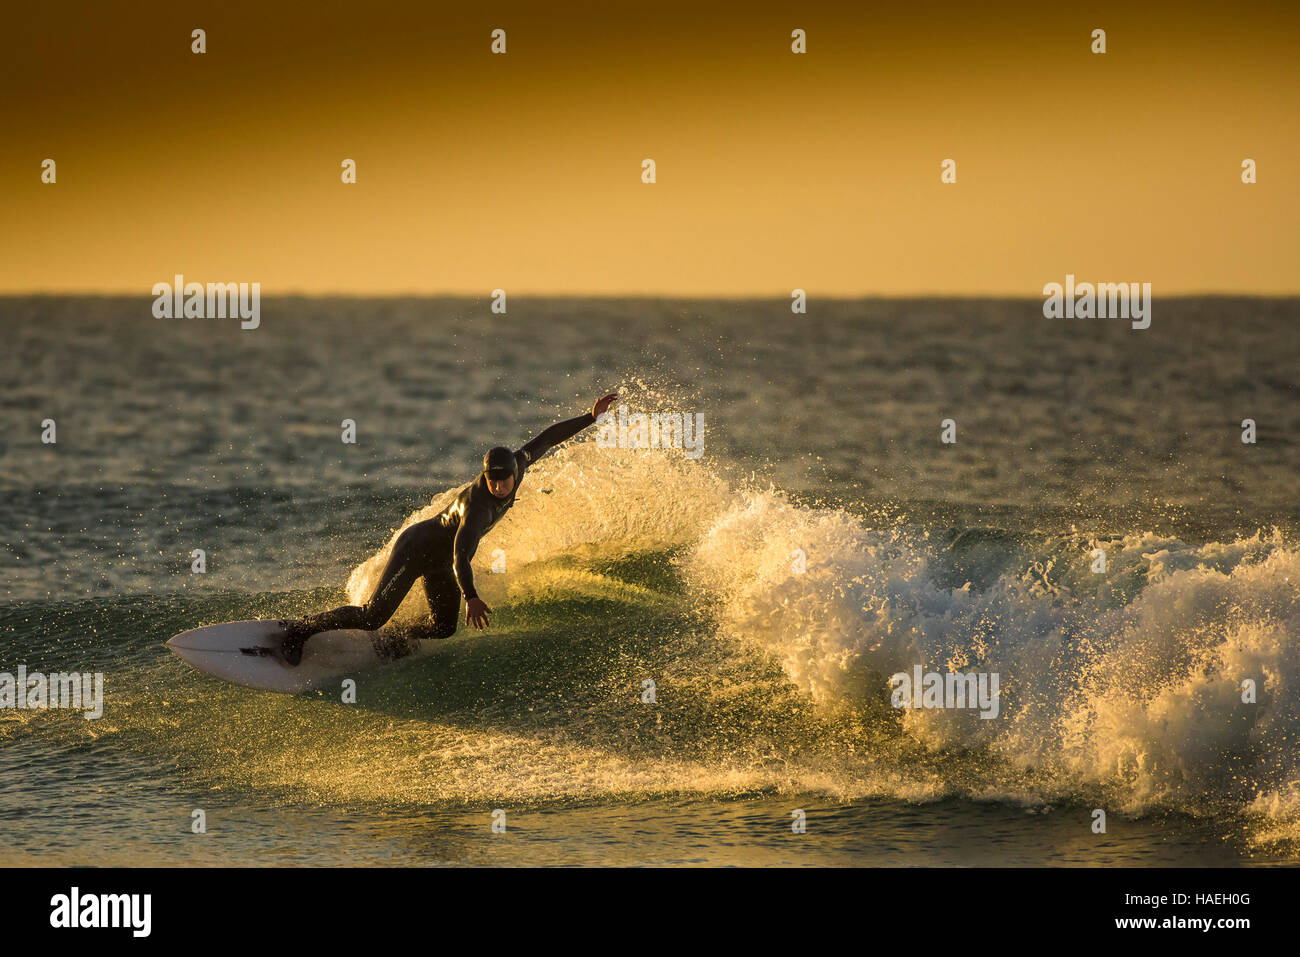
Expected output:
(563, 431)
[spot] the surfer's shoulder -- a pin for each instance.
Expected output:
(477, 499)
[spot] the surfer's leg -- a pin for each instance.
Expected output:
(401, 571)
(443, 595)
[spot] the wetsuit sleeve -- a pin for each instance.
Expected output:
(553, 436)
(467, 538)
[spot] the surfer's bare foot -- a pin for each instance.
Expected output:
(296, 634)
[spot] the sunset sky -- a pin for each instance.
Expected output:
(775, 171)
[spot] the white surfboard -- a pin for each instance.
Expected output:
(248, 653)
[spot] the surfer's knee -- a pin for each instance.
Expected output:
(371, 619)
(428, 631)
(361, 617)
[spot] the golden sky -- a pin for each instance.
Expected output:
(775, 171)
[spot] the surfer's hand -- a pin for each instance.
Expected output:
(603, 403)
(476, 613)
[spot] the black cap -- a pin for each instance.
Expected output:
(499, 463)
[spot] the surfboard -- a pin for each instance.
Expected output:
(248, 653)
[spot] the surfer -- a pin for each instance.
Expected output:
(439, 549)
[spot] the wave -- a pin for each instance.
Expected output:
(1122, 688)
(768, 629)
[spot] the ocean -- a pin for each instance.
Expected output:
(690, 658)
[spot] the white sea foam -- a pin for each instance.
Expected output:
(1134, 686)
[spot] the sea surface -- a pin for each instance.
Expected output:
(689, 659)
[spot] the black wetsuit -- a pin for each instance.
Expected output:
(439, 550)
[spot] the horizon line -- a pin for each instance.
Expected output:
(676, 297)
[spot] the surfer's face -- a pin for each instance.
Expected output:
(501, 487)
